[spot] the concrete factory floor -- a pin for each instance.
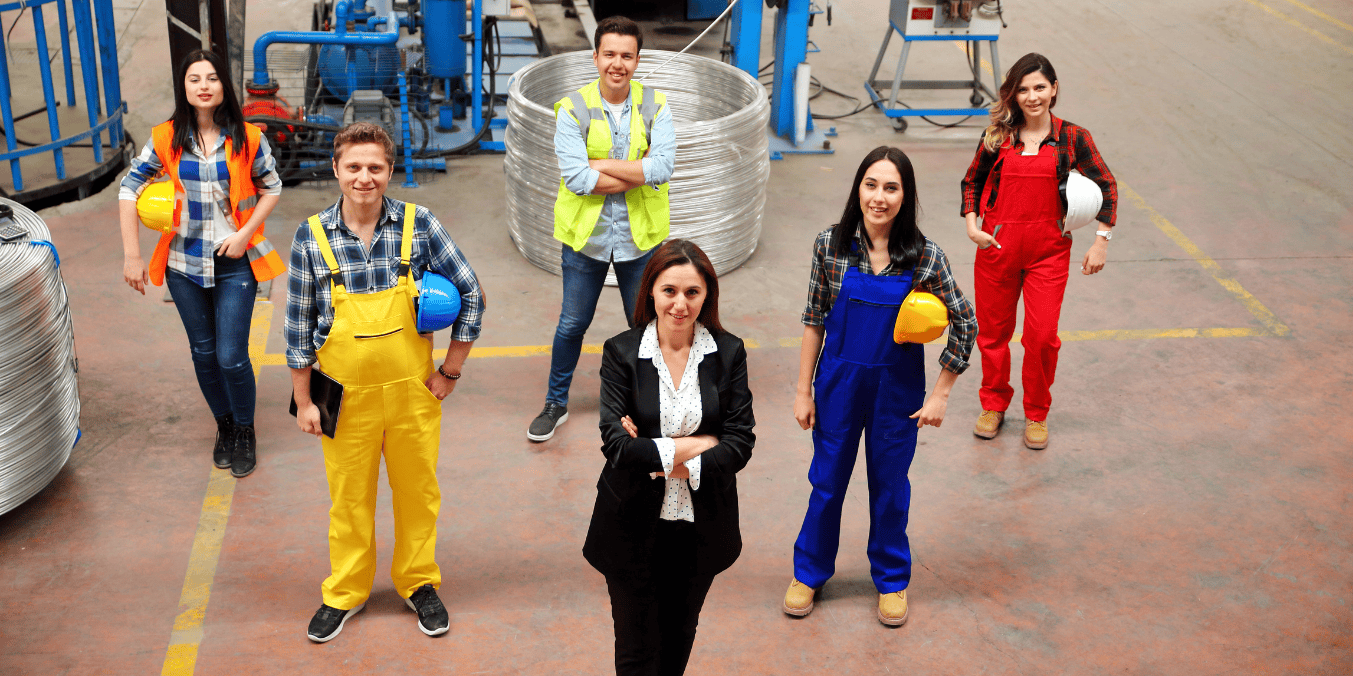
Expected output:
(1193, 514)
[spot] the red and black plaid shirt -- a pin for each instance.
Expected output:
(932, 274)
(1075, 150)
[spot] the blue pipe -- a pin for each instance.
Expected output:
(407, 133)
(339, 36)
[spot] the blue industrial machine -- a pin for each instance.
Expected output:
(432, 72)
(56, 169)
(793, 130)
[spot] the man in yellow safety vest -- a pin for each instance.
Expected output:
(616, 148)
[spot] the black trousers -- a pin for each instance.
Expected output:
(655, 618)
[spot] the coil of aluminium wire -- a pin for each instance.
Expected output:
(718, 186)
(39, 393)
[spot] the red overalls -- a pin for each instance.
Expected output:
(1034, 258)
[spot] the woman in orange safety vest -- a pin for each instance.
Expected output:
(225, 184)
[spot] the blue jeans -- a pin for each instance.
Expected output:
(217, 322)
(583, 280)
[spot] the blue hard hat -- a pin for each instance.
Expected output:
(438, 303)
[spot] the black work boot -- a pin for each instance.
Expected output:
(242, 461)
(225, 441)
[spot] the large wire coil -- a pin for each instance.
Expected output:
(39, 392)
(718, 186)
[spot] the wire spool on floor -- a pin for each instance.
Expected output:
(39, 392)
(718, 187)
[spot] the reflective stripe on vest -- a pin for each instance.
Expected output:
(575, 216)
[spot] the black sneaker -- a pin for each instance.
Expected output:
(242, 461)
(225, 441)
(432, 617)
(328, 621)
(549, 420)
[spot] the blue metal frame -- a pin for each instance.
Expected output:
(889, 105)
(745, 36)
(95, 55)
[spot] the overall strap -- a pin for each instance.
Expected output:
(317, 229)
(406, 242)
(853, 258)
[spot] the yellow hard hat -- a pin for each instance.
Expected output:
(157, 207)
(921, 318)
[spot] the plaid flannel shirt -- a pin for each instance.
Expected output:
(1075, 150)
(207, 216)
(310, 309)
(932, 274)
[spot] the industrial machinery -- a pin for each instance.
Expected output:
(972, 22)
(431, 72)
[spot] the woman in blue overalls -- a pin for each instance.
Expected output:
(866, 383)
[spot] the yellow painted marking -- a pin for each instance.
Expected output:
(986, 65)
(1321, 14)
(180, 658)
(1296, 24)
(1256, 308)
(259, 327)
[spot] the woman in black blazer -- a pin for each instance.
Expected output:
(676, 426)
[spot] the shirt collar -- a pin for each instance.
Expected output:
(1054, 136)
(702, 345)
(392, 212)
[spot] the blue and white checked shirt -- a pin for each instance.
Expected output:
(310, 309)
(611, 239)
(206, 218)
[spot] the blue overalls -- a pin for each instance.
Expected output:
(865, 383)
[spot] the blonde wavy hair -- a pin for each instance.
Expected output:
(1006, 116)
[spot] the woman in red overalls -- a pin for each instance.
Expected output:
(1017, 185)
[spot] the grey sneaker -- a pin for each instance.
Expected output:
(549, 420)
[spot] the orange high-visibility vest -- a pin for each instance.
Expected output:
(263, 258)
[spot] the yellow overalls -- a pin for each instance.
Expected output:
(375, 351)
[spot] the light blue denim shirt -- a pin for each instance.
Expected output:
(611, 239)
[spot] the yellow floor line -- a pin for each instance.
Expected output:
(1321, 14)
(1256, 308)
(180, 658)
(1296, 24)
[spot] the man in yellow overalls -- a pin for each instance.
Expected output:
(351, 308)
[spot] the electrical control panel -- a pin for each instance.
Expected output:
(932, 17)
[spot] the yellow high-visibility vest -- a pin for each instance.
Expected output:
(649, 207)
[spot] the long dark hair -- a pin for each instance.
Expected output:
(905, 241)
(1006, 115)
(229, 116)
(675, 252)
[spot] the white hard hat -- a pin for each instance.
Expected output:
(1083, 200)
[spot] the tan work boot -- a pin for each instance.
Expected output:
(893, 608)
(1036, 434)
(988, 424)
(798, 599)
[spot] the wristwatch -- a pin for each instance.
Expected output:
(1106, 234)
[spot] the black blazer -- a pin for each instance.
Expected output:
(620, 538)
